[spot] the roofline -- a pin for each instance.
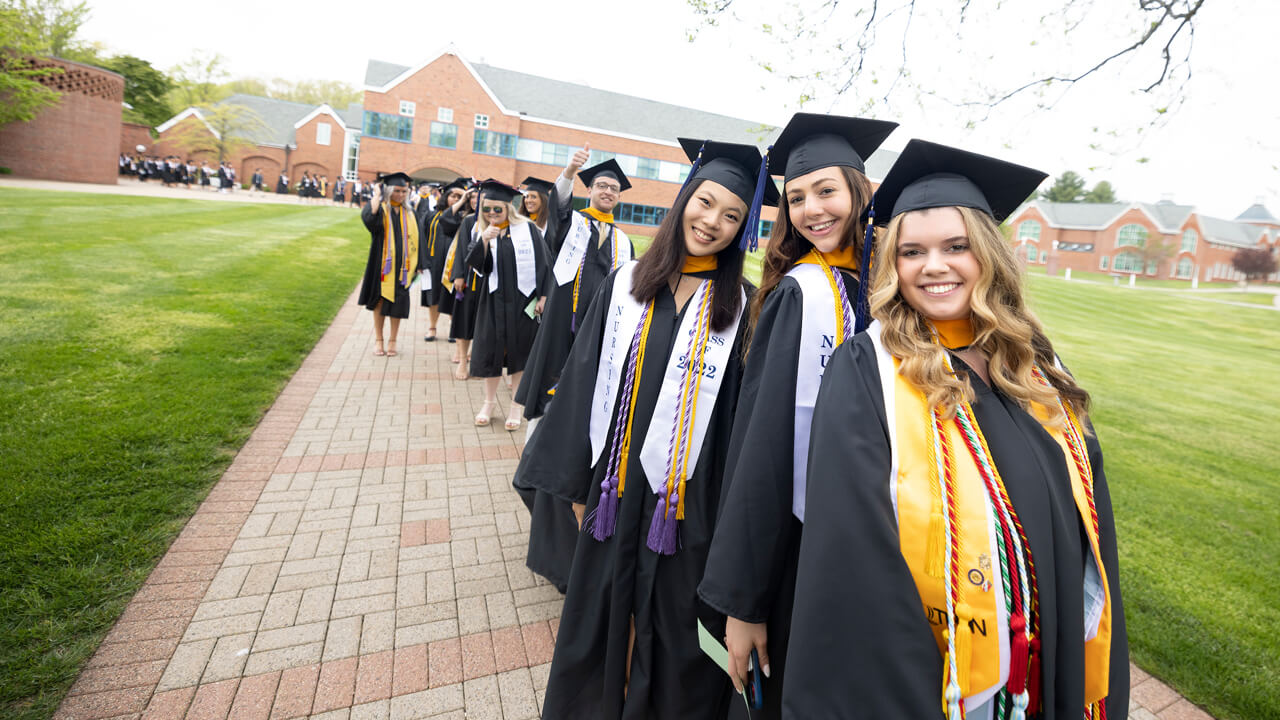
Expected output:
(508, 111)
(322, 108)
(189, 112)
(1139, 206)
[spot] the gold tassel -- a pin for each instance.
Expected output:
(936, 547)
(946, 672)
(680, 505)
(964, 648)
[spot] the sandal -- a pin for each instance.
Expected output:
(391, 349)
(378, 351)
(461, 373)
(483, 417)
(432, 336)
(512, 425)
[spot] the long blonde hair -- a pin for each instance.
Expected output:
(1004, 329)
(514, 217)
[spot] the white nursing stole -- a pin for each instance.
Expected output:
(576, 242)
(887, 369)
(622, 317)
(657, 456)
(526, 261)
(818, 339)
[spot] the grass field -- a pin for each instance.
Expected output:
(143, 339)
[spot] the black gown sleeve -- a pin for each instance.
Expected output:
(478, 256)
(371, 219)
(751, 545)
(463, 239)
(557, 458)
(860, 644)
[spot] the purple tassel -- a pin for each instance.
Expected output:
(458, 295)
(573, 322)
(606, 519)
(662, 530)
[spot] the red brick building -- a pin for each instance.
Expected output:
(76, 139)
(1157, 240)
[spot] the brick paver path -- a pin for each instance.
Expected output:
(363, 557)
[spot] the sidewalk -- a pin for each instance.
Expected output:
(363, 557)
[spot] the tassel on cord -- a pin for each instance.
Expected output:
(1019, 659)
(606, 509)
(657, 525)
(1033, 677)
(680, 495)
(751, 233)
(862, 313)
(964, 647)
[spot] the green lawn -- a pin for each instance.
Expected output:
(1141, 281)
(1187, 406)
(142, 341)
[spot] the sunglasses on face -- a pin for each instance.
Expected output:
(491, 210)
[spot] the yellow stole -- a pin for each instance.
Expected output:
(409, 239)
(845, 258)
(978, 647)
(601, 216)
(693, 264)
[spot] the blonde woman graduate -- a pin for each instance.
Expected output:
(802, 312)
(393, 258)
(510, 260)
(636, 438)
(959, 552)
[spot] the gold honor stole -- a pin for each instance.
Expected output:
(981, 621)
(409, 238)
(568, 264)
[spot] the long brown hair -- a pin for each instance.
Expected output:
(787, 245)
(665, 257)
(1005, 330)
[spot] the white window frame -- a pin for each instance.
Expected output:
(482, 121)
(408, 108)
(324, 133)
(444, 115)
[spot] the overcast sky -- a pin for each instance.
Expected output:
(1219, 151)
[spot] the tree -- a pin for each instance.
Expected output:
(310, 92)
(1254, 263)
(145, 89)
(54, 23)
(22, 95)
(1067, 188)
(1156, 250)
(197, 81)
(826, 48)
(220, 130)
(1101, 193)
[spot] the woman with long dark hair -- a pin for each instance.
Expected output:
(803, 311)
(959, 552)
(438, 228)
(638, 433)
(463, 282)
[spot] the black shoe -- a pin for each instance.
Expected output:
(453, 340)
(429, 338)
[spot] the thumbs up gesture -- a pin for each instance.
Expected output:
(579, 159)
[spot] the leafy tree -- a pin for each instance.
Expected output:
(145, 89)
(226, 129)
(1101, 193)
(1067, 188)
(54, 24)
(1254, 263)
(311, 92)
(24, 96)
(197, 81)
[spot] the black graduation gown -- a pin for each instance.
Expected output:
(751, 568)
(463, 324)
(504, 331)
(371, 288)
(861, 646)
(620, 578)
(434, 235)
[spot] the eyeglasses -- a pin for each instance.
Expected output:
(492, 210)
(607, 187)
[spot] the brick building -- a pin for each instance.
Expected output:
(1157, 240)
(76, 138)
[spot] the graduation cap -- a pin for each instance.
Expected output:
(812, 141)
(542, 186)
(493, 190)
(458, 183)
(742, 170)
(929, 175)
(396, 179)
(608, 168)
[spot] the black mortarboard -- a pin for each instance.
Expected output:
(459, 183)
(493, 190)
(812, 142)
(739, 168)
(929, 175)
(608, 168)
(396, 179)
(542, 186)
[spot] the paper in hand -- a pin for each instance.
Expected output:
(718, 654)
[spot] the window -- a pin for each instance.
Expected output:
(1103, 262)
(1031, 253)
(1152, 267)
(444, 135)
(1029, 229)
(1044, 256)
(647, 168)
(1075, 247)
(553, 154)
(1131, 236)
(408, 108)
(482, 121)
(323, 133)
(353, 157)
(766, 228)
(494, 143)
(444, 115)
(1185, 267)
(1189, 240)
(639, 214)
(1127, 262)
(388, 127)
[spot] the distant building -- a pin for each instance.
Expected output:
(1122, 238)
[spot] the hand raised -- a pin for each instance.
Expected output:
(579, 158)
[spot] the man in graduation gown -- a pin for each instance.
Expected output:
(393, 256)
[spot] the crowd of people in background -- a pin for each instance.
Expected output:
(173, 171)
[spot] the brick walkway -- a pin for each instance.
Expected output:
(363, 557)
